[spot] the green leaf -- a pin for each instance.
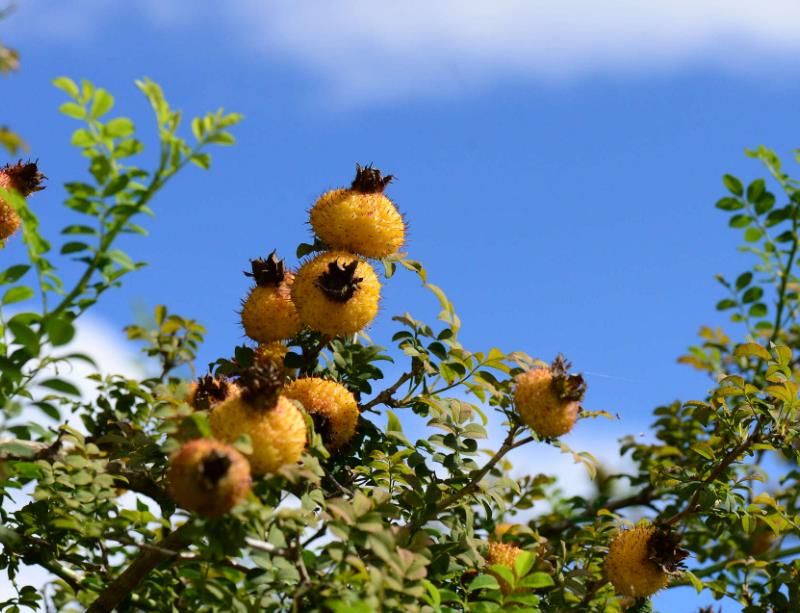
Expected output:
(13, 273)
(73, 247)
(17, 449)
(733, 184)
(783, 354)
(740, 221)
(752, 294)
(17, 294)
(393, 424)
(119, 127)
(203, 160)
(755, 190)
(102, 103)
(753, 235)
(221, 138)
(537, 580)
(59, 385)
(70, 109)
(743, 280)
(60, 331)
(704, 449)
(699, 586)
(752, 350)
(523, 563)
(482, 582)
(116, 185)
(729, 204)
(68, 86)
(82, 138)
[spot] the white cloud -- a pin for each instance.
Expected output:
(420, 47)
(361, 51)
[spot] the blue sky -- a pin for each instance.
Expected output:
(558, 166)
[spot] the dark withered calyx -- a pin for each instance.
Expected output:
(322, 426)
(663, 550)
(214, 466)
(211, 390)
(269, 271)
(24, 177)
(339, 282)
(570, 387)
(369, 180)
(261, 385)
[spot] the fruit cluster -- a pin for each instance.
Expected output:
(334, 293)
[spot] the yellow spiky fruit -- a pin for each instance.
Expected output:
(332, 407)
(336, 293)
(208, 477)
(642, 560)
(23, 178)
(209, 391)
(276, 427)
(548, 399)
(360, 219)
(268, 313)
(505, 555)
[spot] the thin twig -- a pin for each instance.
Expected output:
(387, 396)
(508, 445)
(733, 455)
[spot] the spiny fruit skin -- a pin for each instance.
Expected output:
(268, 313)
(548, 399)
(276, 427)
(208, 477)
(25, 178)
(336, 293)
(209, 391)
(642, 560)
(332, 407)
(278, 434)
(360, 219)
(504, 554)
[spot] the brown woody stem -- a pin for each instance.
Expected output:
(132, 576)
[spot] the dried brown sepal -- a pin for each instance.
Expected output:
(339, 282)
(664, 551)
(23, 177)
(269, 271)
(322, 426)
(568, 387)
(214, 466)
(369, 180)
(210, 390)
(261, 385)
